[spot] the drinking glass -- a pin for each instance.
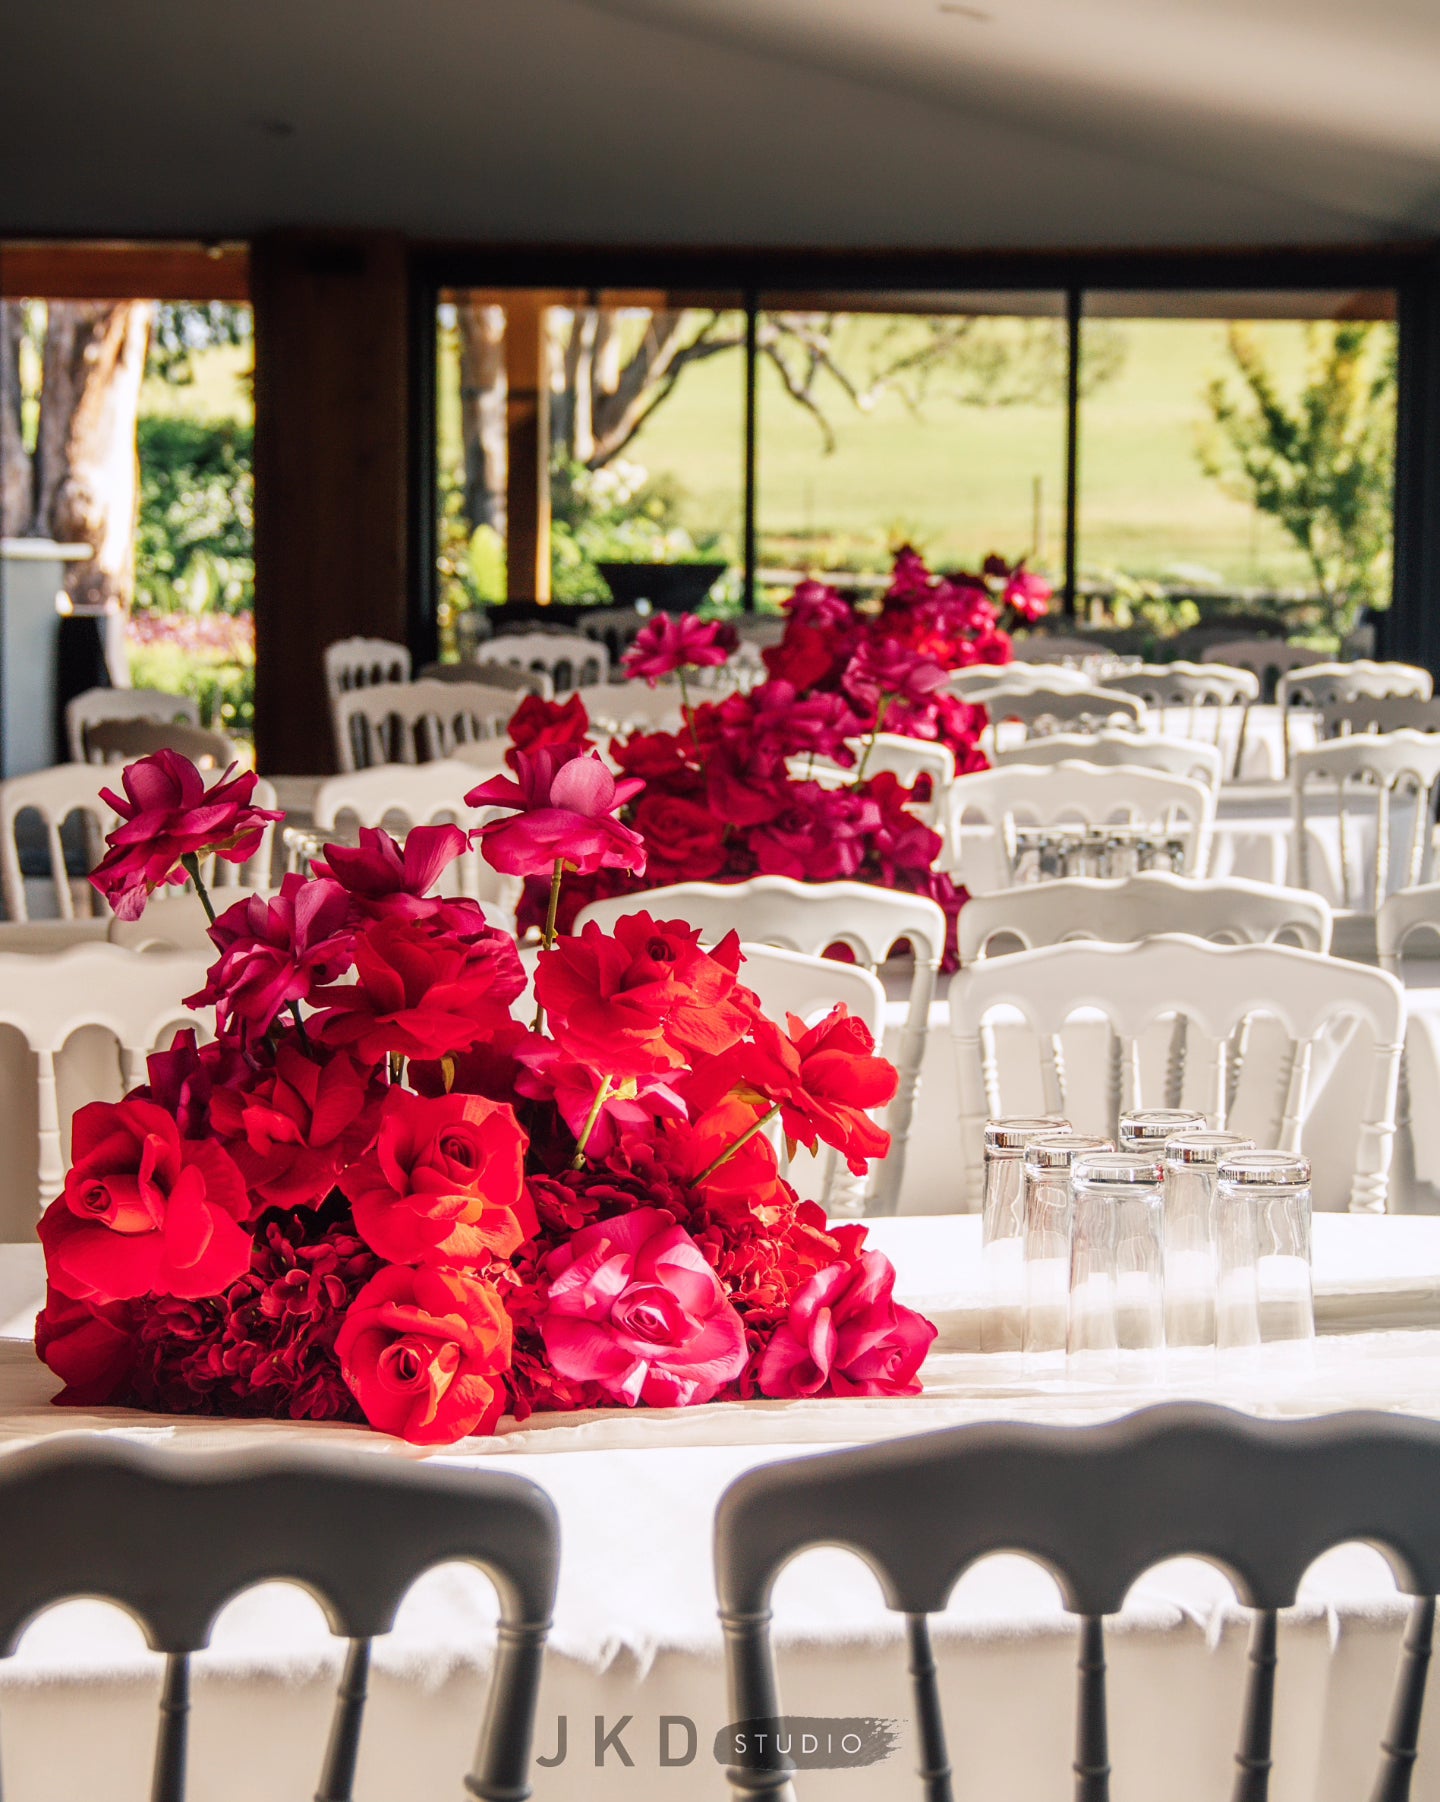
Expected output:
(1191, 1266)
(1116, 1259)
(1048, 1214)
(1002, 1226)
(1266, 1194)
(1147, 1129)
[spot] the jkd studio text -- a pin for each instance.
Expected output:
(798, 1742)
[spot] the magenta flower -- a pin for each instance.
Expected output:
(276, 952)
(565, 811)
(845, 1334)
(1027, 594)
(817, 835)
(814, 604)
(634, 1307)
(382, 879)
(678, 641)
(167, 814)
(884, 668)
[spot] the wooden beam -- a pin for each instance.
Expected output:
(527, 510)
(94, 270)
(331, 473)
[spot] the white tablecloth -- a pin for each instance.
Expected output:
(635, 1632)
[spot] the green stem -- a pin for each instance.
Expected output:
(548, 937)
(745, 1137)
(688, 710)
(602, 1095)
(880, 712)
(304, 1037)
(192, 867)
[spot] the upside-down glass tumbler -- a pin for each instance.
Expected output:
(1002, 1227)
(1049, 1211)
(1117, 1284)
(1273, 1189)
(1149, 1129)
(1191, 1257)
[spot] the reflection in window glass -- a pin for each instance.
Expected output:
(943, 429)
(1241, 464)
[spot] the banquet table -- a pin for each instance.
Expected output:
(635, 1632)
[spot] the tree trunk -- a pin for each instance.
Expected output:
(17, 500)
(482, 413)
(86, 467)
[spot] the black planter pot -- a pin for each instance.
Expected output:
(669, 587)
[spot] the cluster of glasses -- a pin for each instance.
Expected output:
(1183, 1237)
(1045, 853)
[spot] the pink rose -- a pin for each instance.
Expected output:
(565, 809)
(678, 641)
(845, 1334)
(276, 952)
(167, 814)
(381, 877)
(634, 1307)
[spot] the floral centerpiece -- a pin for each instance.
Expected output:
(734, 794)
(376, 1195)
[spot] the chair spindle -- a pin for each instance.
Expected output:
(172, 1739)
(1092, 1732)
(1252, 1756)
(934, 1754)
(337, 1779)
(1400, 1746)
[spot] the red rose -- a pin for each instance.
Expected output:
(167, 814)
(806, 656)
(444, 1182)
(659, 759)
(643, 999)
(683, 841)
(424, 1352)
(383, 877)
(293, 1129)
(420, 993)
(536, 722)
(90, 1346)
(275, 952)
(845, 1334)
(144, 1211)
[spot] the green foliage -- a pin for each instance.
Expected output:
(224, 688)
(181, 328)
(1322, 465)
(620, 514)
(194, 546)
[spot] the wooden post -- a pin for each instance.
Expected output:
(527, 421)
(332, 469)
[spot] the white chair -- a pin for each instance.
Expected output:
(1202, 693)
(1406, 911)
(1214, 989)
(122, 741)
(1144, 750)
(1324, 685)
(1371, 767)
(135, 996)
(352, 663)
(415, 722)
(808, 917)
(399, 796)
(569, 660)
(619, 708)
(1139, 907)
(1172, 808)
(1267, 659)
(973, 683)
(792, 982)
(96, 704)
(53, 796)
(1039, 711)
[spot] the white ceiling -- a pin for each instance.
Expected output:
(806, 122)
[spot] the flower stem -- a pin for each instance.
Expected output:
(602, 1095)
(730, 1150)
(880, 710)
(687, 709)
(548, 937)
(301, 1033)
(192, 867)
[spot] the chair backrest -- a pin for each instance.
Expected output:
(121, 741)
(416, 722)
(1381, 713)
(1192, 686)
(790, 982)
(362, 662)
(1323, 684)
(399, 795)
(492, 675)
(1214, 989)
(136, 996)
(1407, 910)
(1057, 709)
(616, 628)
(85, 710)
(569, 659)
(809, 917)
(184, 1532)
(972, 684)
(1017, 794)
(624, 707)
(1097, 1506)
(1363, 768)
(1145, 750)
(1232, 911)
(1267, 658)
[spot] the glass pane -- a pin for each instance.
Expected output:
(943, 428)
(1235, 467)
(470, 459)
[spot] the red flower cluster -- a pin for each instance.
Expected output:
(377, 1195)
